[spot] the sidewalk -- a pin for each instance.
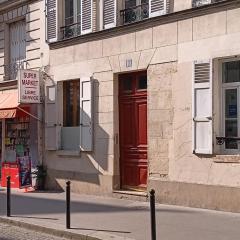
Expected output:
(107, 218)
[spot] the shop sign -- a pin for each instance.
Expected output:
(29, 86)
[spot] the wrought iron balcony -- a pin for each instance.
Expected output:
(70, 31)
(135, 14)
(198, 3)
(11, 70)
(222, 140)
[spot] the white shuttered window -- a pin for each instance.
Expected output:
(65, 138)
(86, 16)
(109, 13)
(157, 7)
(52, 21)
(86, 114)
(202, 108)
(51, 128)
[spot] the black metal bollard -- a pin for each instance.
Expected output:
(68, 218)
(8, 196)
(153, 216)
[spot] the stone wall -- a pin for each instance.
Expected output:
(167, 52)
(160, 117)
(36, 47)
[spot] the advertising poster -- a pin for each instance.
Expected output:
(25, 171)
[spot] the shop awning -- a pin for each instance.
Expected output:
(8, 104)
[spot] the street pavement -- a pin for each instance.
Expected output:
(10, 232)
(109, 218)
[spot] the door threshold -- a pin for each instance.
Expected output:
(132, 192)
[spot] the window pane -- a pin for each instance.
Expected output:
(127, 83)
(231, 72)
(130, 3)
(78, 11)
(231, 103)
(71, 103)
(231, 130)
(142, 82)
(68, 12)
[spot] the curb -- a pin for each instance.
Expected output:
(50, 231)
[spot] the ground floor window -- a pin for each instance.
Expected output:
(230, 106)
(71, 103)
(70, 132)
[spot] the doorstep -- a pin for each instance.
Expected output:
(131, 195)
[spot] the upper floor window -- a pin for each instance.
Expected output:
(135, 10)
(134, 3)
(230, 96)
(17, 48)
(72, 12)
(198, 3)
(85, 16)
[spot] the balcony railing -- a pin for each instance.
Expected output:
(135, 14)
(70, 31)
(198, 3)
(11, 70)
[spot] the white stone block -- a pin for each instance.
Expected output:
(144, 39)
(185, 33)
(111, 46)
(165, 54)
(233, 19)
(165, 35)
(145, 58)
(209, 25)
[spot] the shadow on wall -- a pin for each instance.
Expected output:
(94, 163)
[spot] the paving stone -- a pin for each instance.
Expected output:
(9, 232)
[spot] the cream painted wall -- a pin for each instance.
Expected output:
(163, 54)
(36, 47)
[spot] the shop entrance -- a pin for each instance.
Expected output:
(18, 140)
(15, 152)
(133, 130)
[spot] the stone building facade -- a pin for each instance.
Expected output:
(189, 52)
(22, 46)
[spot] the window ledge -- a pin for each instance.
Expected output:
(227, 159)
(70, 153)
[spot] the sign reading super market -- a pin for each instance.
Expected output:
(29, 86)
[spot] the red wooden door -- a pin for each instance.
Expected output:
(133, 129)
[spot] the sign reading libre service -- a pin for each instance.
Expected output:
(29, 86)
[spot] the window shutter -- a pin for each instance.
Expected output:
(109, 13)
(157, 7)
(51, 21)
(86, 115)
(51, 128)
(86, 16)
(202, 108)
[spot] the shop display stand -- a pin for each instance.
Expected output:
(17, 162)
